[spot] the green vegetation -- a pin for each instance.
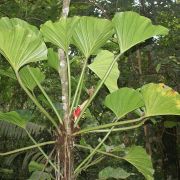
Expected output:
(68, 110)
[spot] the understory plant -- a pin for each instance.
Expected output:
(25, 48)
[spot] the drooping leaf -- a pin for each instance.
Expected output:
(100, 66)
(27, 78)
(53, 60)
(160, 99)
(60, 32)
(124, 101)
(131, 29)
(39, 175)
(91, 33)
(138, 157)
(116, 173)
(14, 118)
(19, 44)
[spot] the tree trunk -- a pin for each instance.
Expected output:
(65, 157)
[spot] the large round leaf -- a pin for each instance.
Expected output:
(131, 29)
(19, 44)
(91, 33)
(138, 157)
(59, 33)
(101, 65)
(124, 101)
(160, 99)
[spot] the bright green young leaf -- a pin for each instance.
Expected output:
(53, 60)
(91, 33)
(100, 66)
(27, 78)
(59, 33)
(19, 44)
(131, 29)
(123, 101)
(116, 173)
(160, 99)
(14, 118)
(138, 157)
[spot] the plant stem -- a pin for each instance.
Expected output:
(45, 94)
(67, 145)
(42, 151)
(98, 88)
(27, 148)
(99, 145)
(79, 94)
(119, 129)
(45, 165)
(78, 86)
(93, 151)
(96, 161)
(36, 102)
(99, 151)
(92, 129)
(69, 77)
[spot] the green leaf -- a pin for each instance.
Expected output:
(14, 118)
(6, 23)
(116, 173)
(91, 33)
(160, 99)
(34, 166)
(131, 29)
(124, 101)
(138, 157)
(101, 65)
(59, 33)
(19, 44)
(53, 60)
(39, 175)
(27, 78)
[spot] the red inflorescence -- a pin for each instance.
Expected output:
(76, 112)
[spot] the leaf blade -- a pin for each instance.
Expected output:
(124, 101)
(100, 66)
(132, 29)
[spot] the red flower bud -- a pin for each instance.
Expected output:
(76, 112)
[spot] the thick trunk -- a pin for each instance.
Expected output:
(65, 141)
(68, 159)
